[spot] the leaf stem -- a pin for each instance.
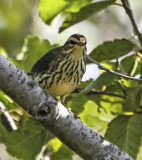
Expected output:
(135, 65)
(95, 92)
(111, 71)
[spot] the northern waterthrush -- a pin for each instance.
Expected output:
(61, 69)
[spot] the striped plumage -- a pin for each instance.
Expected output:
(60, 70)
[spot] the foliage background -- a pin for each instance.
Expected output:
(28, 29)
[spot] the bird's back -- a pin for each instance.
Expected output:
(44, 62)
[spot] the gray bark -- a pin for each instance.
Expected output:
(55, 117)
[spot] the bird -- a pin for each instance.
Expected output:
(61, 69)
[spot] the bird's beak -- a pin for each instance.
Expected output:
(81, 43)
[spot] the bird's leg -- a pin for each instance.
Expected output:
(62, 98)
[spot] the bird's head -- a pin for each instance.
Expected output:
(76, 44)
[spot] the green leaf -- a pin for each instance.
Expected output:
(92, 117)
(84, 13)
(129, 83)
(103, 80)
(85, 83)
(127, 63)
(139, 156)
(16, 21)
(63, 153)
(112, 50)
(75, 5)
(112, 104)
(95, 98)
(76, 103)
(27, 141)
(55, 144)
(34, 49)
(7, 101)
(126, 132)
(115, 88)
(3, 133)
(133, 98)
(131, 65)
(50, 8)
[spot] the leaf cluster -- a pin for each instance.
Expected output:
(109, 104)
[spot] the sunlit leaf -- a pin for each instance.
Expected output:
(84, 13)
(55, 144)
(129, 83)
(92, 117)
(112, 105)
(75, 5)
(62, 154)
(139, 156)
(50, 8)
(7, 101)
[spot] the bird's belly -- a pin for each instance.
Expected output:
(61, 89)
(62, 81)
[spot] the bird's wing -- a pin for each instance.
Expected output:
(43, 63)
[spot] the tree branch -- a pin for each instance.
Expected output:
(129, 12)
(54, 116)
(110, 71)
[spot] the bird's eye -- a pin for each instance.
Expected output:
(72, 42)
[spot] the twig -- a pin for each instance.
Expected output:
(110, 71)
(6, 119)
(129, 12)
(95, 92)
(117, 65)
